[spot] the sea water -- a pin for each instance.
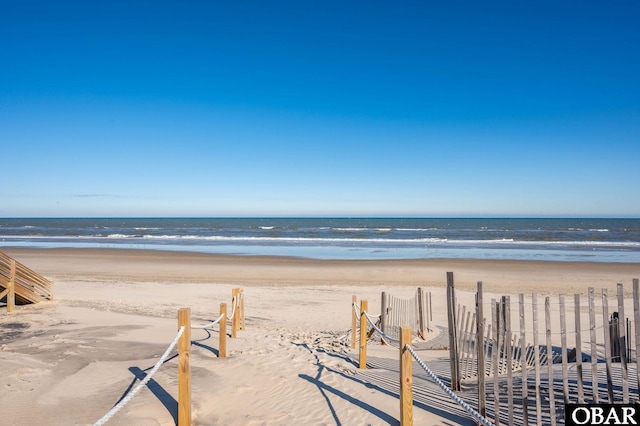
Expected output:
(591, 240)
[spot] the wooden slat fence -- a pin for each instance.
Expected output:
(587, 352)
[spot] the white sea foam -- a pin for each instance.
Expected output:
(267, 228)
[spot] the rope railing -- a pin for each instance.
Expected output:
(405, 402)
(124, 401)
(183, 340)
(480, 418)
(210, 325)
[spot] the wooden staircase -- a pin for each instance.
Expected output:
(20, 284)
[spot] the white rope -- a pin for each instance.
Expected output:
(144, 381)
(444, 387)
(357, 309)
(210, 325)
(382, 333)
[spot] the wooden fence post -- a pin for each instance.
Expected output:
(506, 300)
(421, 313)
(607, 343)
(406, 378)
(622, 333)
(235, 309)
(536, 354)
(636, 323)
(594, 346)
(552, 398)
(364, 306)
(523, 362)
(184, 368)
(482, 398)
(11, 296)
(578, 349)
(454, 359)
(354, 322)
(563, 345)
(383, 314)
(222, 351)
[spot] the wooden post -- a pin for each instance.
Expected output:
(235, 308)
(364, 306)
(11, 296)
(594, 346)
(454, 359)
(354, 321)
(222, 352)
(495, 355)
(534, 310)
(421, 313)
(508, 336)
(563, 343)
(578, 349)
(383, 314)
(482, 398)
(622, 332)
(523, 363)
(406, 378)
(184, 368)
(607, 343)
(552, 398)
(636, 323)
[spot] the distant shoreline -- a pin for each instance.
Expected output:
(182, 267)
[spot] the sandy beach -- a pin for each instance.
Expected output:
(69, 361)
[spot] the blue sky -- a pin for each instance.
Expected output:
(156, 108)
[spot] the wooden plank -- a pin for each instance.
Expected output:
(607, 343)
(406, 378)
(552, 398)
(636, 324)
(536, 345)
(421, 314)
(480, 348)
(469, 358)
(487, 345)
(495, 350)
(184, 368)
(454, 359)
(11, 295)
(364, 307)
(383, 314)
(563, 341)
(594, 346)
(578, 349)
(464, 339)
(523, 364)
(508, 349)
(622, 333)
(461, 331)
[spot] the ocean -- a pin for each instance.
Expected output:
(587, 240)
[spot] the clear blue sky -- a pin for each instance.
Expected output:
(157, 108)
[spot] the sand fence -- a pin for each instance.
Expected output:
(183, 341)
(584, 353)
(523, 375)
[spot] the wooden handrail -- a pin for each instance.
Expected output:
(26, 285)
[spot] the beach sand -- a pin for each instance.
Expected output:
(69, 361)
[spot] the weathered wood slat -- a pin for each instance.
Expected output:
(30, 287)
